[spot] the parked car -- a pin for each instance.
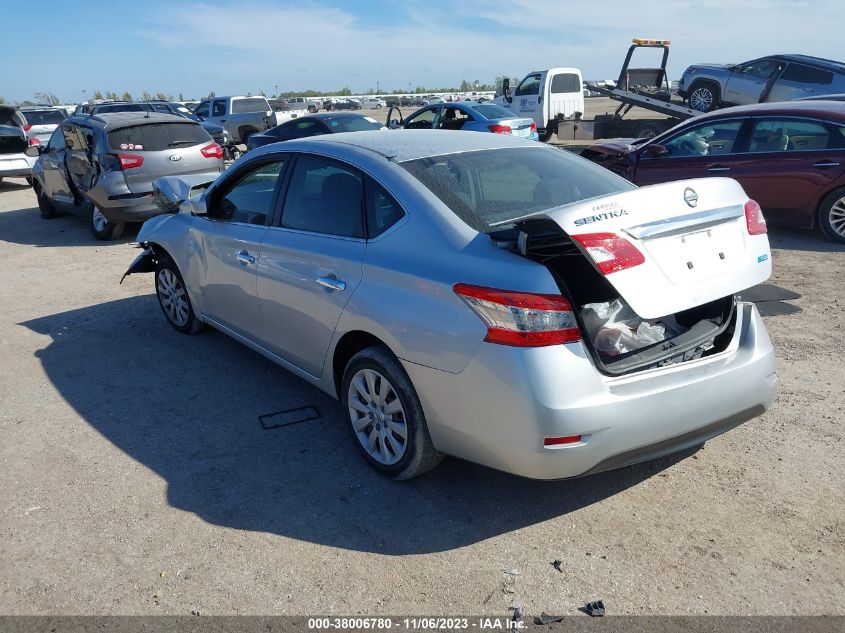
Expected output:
(775, 78)
(471, 117)
(240, 116)
(102, 166)
(305, 103)
(41, 121)
(790, 157)
(372, 103)
(343, 104)
(314, 125)
(13, 145)
(835, 97)
(440, 295)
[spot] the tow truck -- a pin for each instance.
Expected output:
(646, 88)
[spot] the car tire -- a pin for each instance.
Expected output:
(371, 374)
(102, 228)
(703, 97)
(378, 106)
(831, 215)
(648, 130)
(172, 295)
(48, 211)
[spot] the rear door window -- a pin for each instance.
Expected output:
(382, 210)
(324, 197)
(565, 82)
(807, 75)
(155, 137)
(774, 135)
(249, 104)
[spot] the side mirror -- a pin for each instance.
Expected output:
(171, 191)
(656, 150)
(196, 206)
(34, 151)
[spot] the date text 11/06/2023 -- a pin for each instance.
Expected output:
(415, 624)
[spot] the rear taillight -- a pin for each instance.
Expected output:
(27, 128)
(212, 151)
(610, 252)
(533, 126)
(500, 129)
(33, 141)
(559, 441)
(130, 161)
(521, 319)
(754, 218)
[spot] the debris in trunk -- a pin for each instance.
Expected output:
(593, 609)
(548, 619)
(615, 328)
(558, 564)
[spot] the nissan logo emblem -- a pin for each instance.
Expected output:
(175, 157)
(690, 197)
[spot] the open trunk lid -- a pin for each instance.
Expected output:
(12, 140)
(692, 234)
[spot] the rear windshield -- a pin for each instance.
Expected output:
(497, 186)
(250, 104)
(155, 137)
(566, 82)
(9, 117)
(353, 124)
(492, 111)
(43, 117)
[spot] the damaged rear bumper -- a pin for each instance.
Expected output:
(500, 408)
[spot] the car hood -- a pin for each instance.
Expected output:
(710, 66)
(211, 127)
(616, 147)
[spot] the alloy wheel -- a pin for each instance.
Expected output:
(172, 296)
(378, 417)
(98, 220)
(836, 217)
(701, 99)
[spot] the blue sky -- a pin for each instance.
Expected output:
(193, 47)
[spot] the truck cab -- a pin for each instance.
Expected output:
(239, 116)
(547, 96)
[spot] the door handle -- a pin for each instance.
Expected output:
(718, 168)
(824, 164)
(245, 258)
(331, 283)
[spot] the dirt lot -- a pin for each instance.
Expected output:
(137, 478)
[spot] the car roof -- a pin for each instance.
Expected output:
(829, 109)
(819, 62)
(114, 120)
(404, 145)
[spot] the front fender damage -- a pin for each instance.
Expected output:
(145, 262)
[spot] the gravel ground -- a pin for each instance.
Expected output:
(137, 478)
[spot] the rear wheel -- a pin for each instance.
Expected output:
(703, 97)
(386, 418)
(648, 130)
(832, 215)
(102, 228)
(173, 297)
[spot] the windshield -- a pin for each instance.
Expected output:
(489, 188)
(43, 117)
(187, 114)
(154, 137)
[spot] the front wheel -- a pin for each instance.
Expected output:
(173, 297)
(832, 216)
(703, 97)
(386, 418)
(378, 106)
(102, 228)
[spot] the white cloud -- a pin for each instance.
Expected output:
(255, 45)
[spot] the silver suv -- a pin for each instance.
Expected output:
(103, 166)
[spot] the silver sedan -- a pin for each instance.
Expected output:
(478, 295)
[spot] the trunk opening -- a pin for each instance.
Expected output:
(704, 330)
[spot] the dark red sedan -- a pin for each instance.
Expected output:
(789, 157)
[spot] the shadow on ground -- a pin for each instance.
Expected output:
(187, 408)
(802, 240)
(27, 227)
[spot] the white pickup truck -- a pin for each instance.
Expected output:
(240, 116)
(546, 95)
